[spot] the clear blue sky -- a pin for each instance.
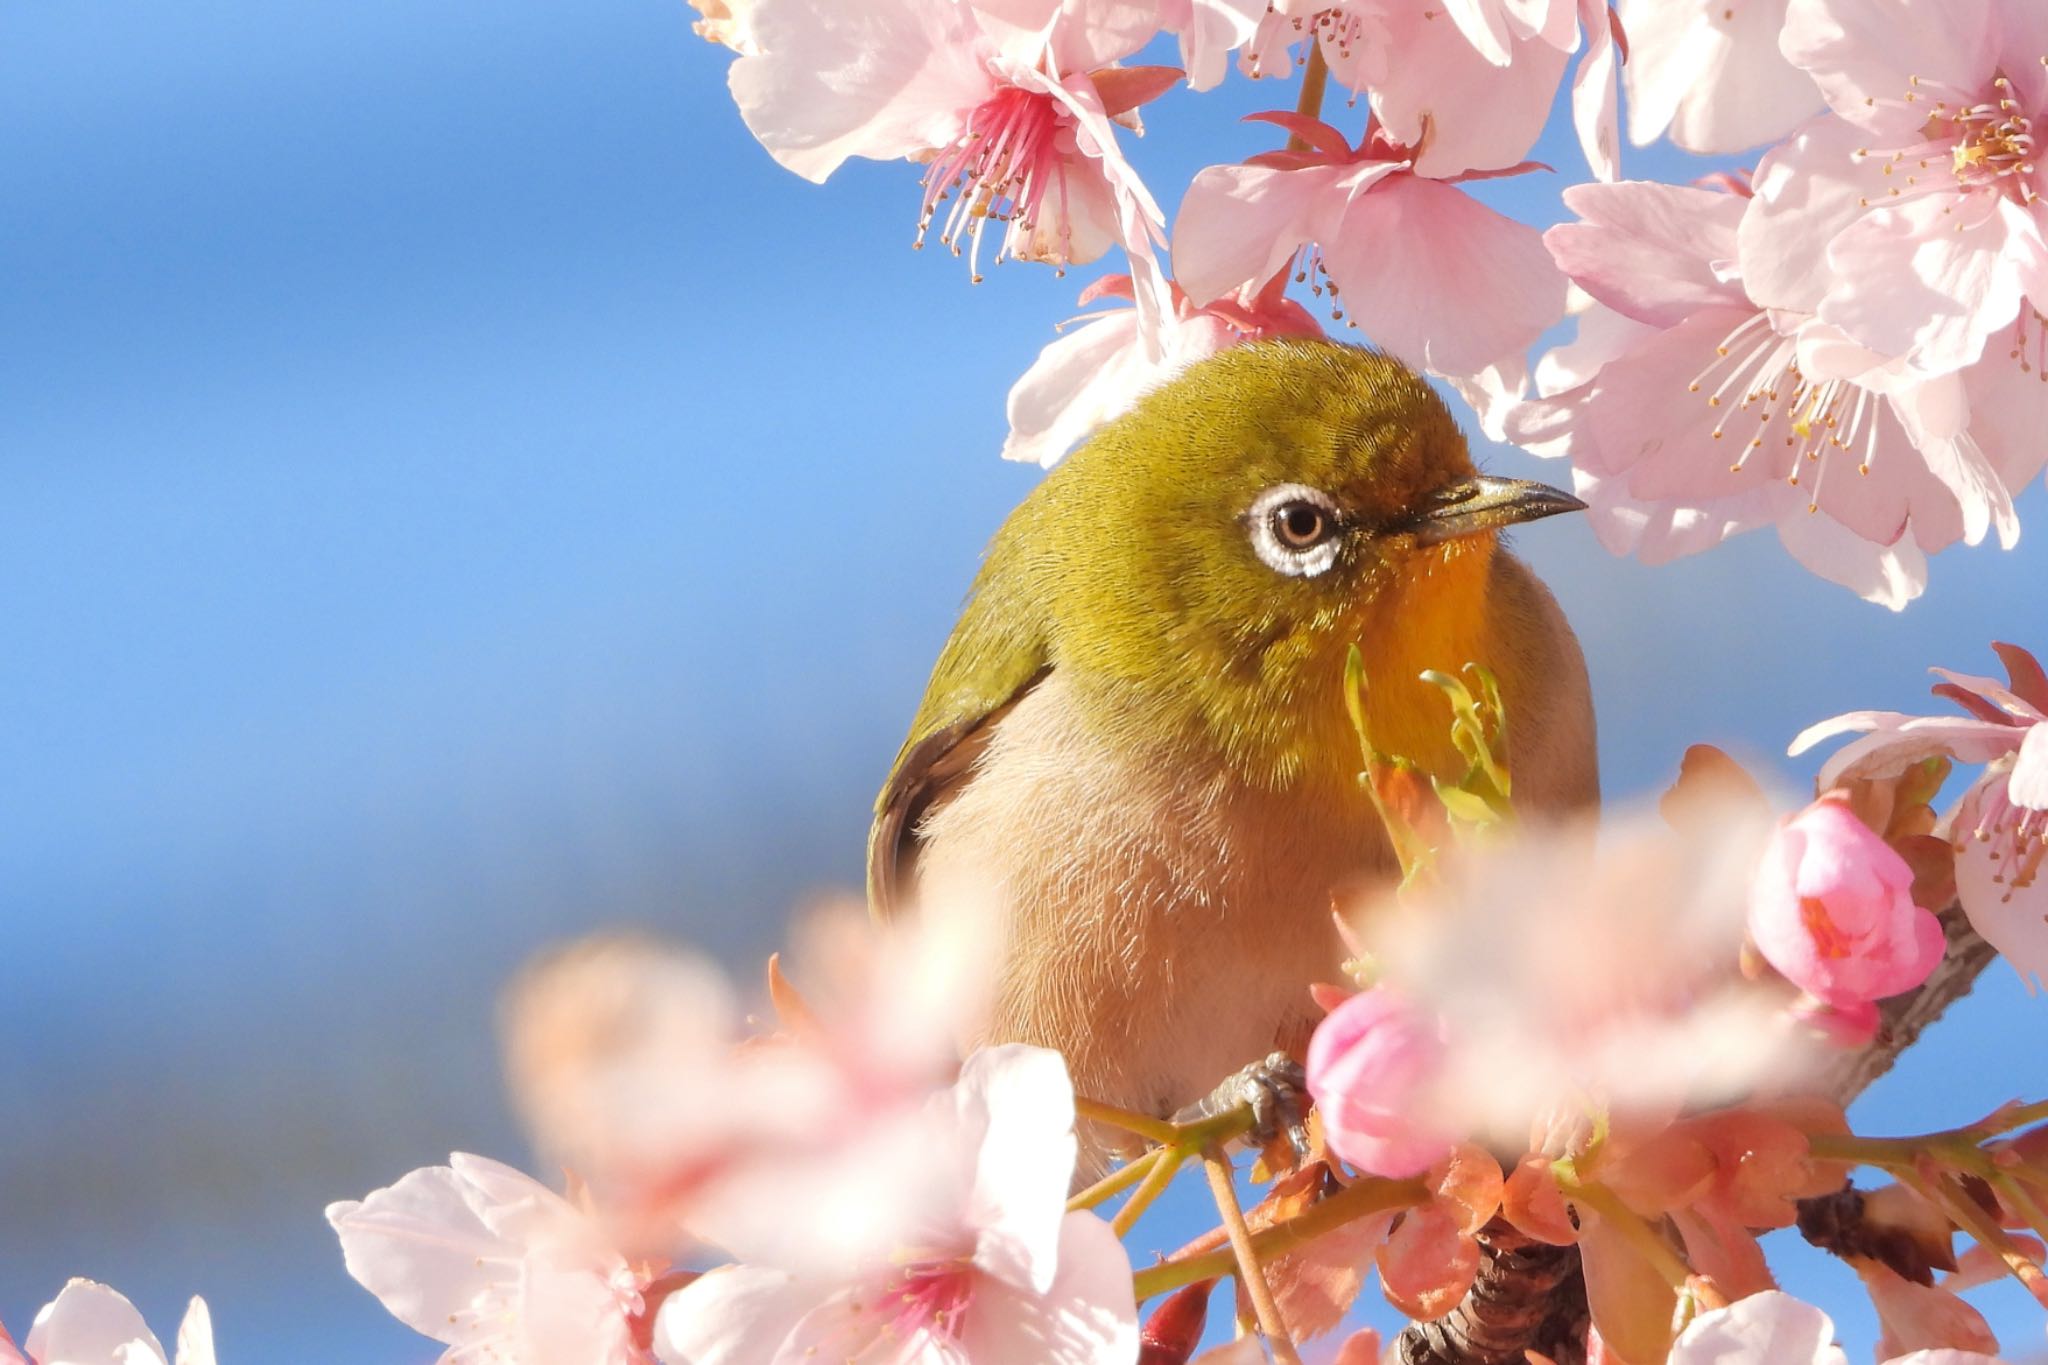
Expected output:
(460, 493)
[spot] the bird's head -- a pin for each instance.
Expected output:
(1209, 558)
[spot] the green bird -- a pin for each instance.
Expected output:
(1134, 751)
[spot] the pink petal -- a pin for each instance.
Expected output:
(1927, 279)
(195, 1335)
(1458, 110)
(1214, 29)
(882, 80)
(1015, 1104)
(735, 1315)
(1238, 225)
(90, 1324)
(1890, 752)
(1712, 73)
(1770, 1326)
(1868, 56)
(1807, 189)
(2028, 783)
(421, 1248)
(1648, 250)
(1441, 280)
(1078, 381)
(1086, 1316)
(1889, 575)
(2007, 399)
(1595, 100)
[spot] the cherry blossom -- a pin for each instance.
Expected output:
(1911, 217)
(1210, 30)
(496, 1266)
(90, 1324)
(633, 1064)
(1009, 106)
(1438, 279)
(1101, 367)
(1370, 1064)
(1695, 411)
(2000, 827)
(1832, 909)
(1711, 73)
(998, 1272)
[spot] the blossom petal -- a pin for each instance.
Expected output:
(420, 1246)
(1872, 58)
(880, 80)
(1927, 279)
(90, 1324)
(735, 1315)
(1807, 189)
(1238, 225)
(1712, 73)
(2028, 784)
(1646, 250)
(1017, 1104)
(195, 1335)
(1596, 100)
(1770, 1326)
(1458, 110)
(1086, 1316)
(1441, 280)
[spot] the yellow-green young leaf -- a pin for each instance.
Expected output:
(1469, 807)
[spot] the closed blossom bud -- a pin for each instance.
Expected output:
(1369, 1065)
(1832, 909)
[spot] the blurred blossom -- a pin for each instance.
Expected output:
(1764, 1329)
(1102, 367)
(1832, 909)
(1711, 73)
(632, 1063)
(996, 1271)
(1370, 1065)
(1009, 106)
(1571, 976)
(90, 1324)
(2000, 827)
(726, 22)
(1437, 278)
(498, 1267)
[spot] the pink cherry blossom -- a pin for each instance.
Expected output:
(2000, 827)
(1692, 410)
(614, 1045)
(1370, 1064)
(1471, 94)
(1773, 1328)
(497, 1266)
(90, 1324)
(1832, 909)
(1009, 104)
(1101, 367)
(1210, 30)
(997, 1272)
(1711, 73)
(1913, 213)
(1436, 278)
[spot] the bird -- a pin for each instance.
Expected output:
(1133, 753)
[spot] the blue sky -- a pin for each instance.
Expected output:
(460, 493)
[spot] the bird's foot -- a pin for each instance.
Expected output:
(1275, 1090)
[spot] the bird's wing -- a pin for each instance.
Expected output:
(996, 655)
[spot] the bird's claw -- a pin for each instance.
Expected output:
(1274, 1090)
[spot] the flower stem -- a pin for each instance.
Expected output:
(1960, 1147)
(1115, 1182)
(1634, 1230)
(1249, 1276)
(1964, 1212)
(1165, 1166)
(1314, 81)
(1145, 1126)
(1361, 1199)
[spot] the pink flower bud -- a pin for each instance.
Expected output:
(1832, 909)
(1368, 1066)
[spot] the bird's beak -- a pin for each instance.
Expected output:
(1484, 503)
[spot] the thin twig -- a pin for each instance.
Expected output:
(1115, 1182)
(1315, 79)
(1164, 1168)
(1144, 1125)
(1250, 1278)
(1361, 1199)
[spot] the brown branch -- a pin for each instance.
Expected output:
(1532, 1297)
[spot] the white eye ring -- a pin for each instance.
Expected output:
(1294, 529)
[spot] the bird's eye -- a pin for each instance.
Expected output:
(1294, 529)
(1300, 524)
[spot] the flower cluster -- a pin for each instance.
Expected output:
(1840, 339)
